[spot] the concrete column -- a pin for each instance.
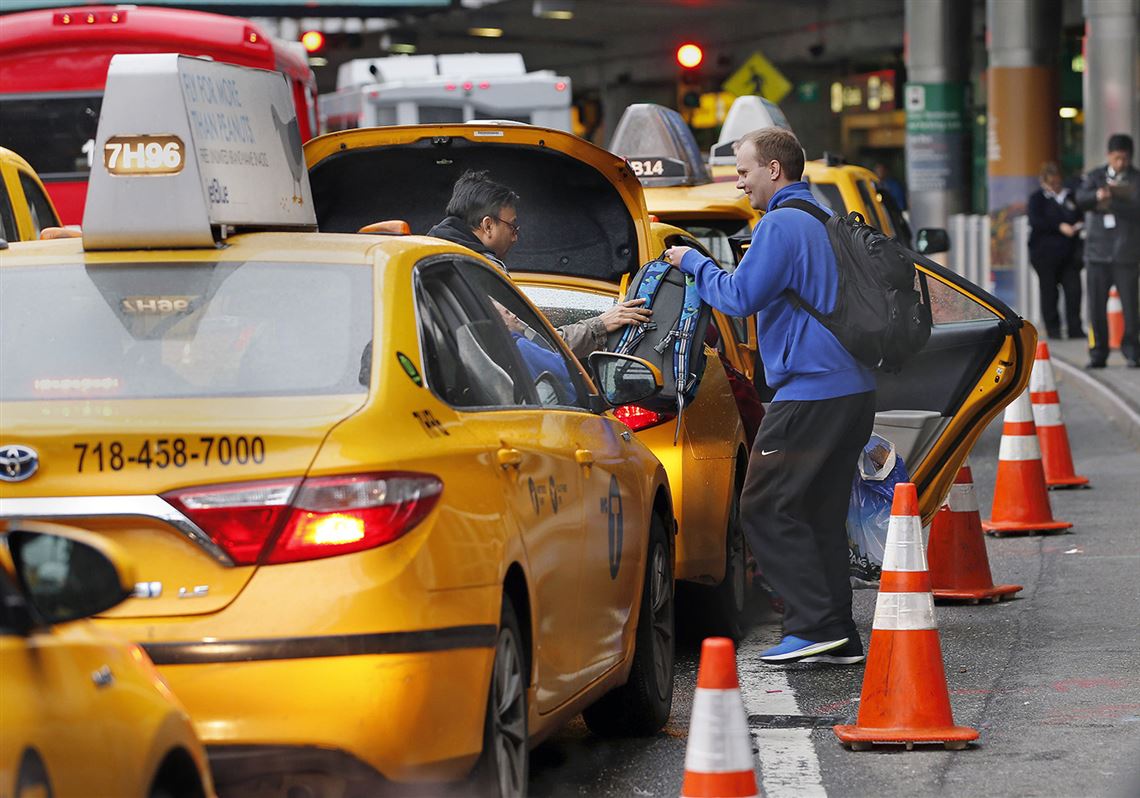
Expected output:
(1021, 127)
(937, 54)
(1110, 83)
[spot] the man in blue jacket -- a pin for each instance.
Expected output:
(796, 492)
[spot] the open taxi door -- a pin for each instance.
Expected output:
(977, 361)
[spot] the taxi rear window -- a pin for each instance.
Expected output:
(184, 329)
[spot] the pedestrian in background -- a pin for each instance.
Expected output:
(794, 503)
(1110, 196)
(891, 184)
(1054, 251)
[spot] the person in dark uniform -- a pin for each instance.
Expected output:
(1110, 197)
(1054, 224)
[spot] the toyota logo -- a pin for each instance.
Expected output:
(17, 463)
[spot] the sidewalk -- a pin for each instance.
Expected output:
(1114, 390)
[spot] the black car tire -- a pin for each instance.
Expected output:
(504, 767)
(641, 706)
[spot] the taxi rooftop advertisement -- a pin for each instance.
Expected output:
(193, 148)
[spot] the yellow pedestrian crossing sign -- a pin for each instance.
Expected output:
(758, 76)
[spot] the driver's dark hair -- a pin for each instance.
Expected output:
(476, 195)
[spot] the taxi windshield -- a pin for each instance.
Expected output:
(184, 329)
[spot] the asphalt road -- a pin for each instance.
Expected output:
(1051, 679)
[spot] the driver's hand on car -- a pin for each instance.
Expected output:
(623, 313)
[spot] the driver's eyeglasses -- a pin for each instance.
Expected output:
(515, 227)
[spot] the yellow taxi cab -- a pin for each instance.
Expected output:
(82, 712)
(25, 207)
(979, 353)
(585, 232)
(380, 537)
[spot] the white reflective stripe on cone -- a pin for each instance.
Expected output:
(1019, 447)
(719, 740)
(903, 550)
(962, 499)
(1048, 415)
(1020, 409)
(904, 611)
(1041, 378)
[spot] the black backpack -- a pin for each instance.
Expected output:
(674, 340)
(880, 316)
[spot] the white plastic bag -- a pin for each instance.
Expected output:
(869, 511)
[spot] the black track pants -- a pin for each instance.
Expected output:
(794, 508)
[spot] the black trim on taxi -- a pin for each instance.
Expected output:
(427, 640)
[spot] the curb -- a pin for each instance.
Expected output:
(1115, 408)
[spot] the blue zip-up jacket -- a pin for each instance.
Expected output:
(803, 361)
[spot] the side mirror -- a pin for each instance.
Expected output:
(625, 379)
(65, 573)
(931, 240)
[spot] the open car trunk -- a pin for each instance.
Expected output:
(579, 210)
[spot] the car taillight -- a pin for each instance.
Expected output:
(241, 517)
(323, 517)
(338, 515)
(637, 417)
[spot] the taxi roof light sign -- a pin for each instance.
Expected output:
(659, 147)
(189, 150)
(747, 113)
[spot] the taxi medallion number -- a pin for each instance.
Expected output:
(143, 155)
(164, 453)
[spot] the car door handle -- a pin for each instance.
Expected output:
(509, 458)
(584, 457)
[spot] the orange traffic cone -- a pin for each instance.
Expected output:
(1115, 319)
(905, 698)
(959, 565)
(1056, 457)
(718, 759)
(1021, 500)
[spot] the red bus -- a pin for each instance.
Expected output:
(53, 67)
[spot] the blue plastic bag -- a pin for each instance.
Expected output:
(869, 511)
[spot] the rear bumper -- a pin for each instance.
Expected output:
(410, 716)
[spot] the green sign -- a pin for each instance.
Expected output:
(935, 136)
(808, 92)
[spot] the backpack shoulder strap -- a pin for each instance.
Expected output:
(821, 215)
(651, 278)
(808, 207)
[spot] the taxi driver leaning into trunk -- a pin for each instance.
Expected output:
(482, 215)
(794, 502)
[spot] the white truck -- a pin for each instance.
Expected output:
(426, 89)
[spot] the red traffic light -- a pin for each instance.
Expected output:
(690, 55)
(312, 41)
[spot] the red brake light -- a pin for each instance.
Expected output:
(486, 84)
(560, 86)
(277, 521)
(468, 85)
(637, 417)
(240, 518)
